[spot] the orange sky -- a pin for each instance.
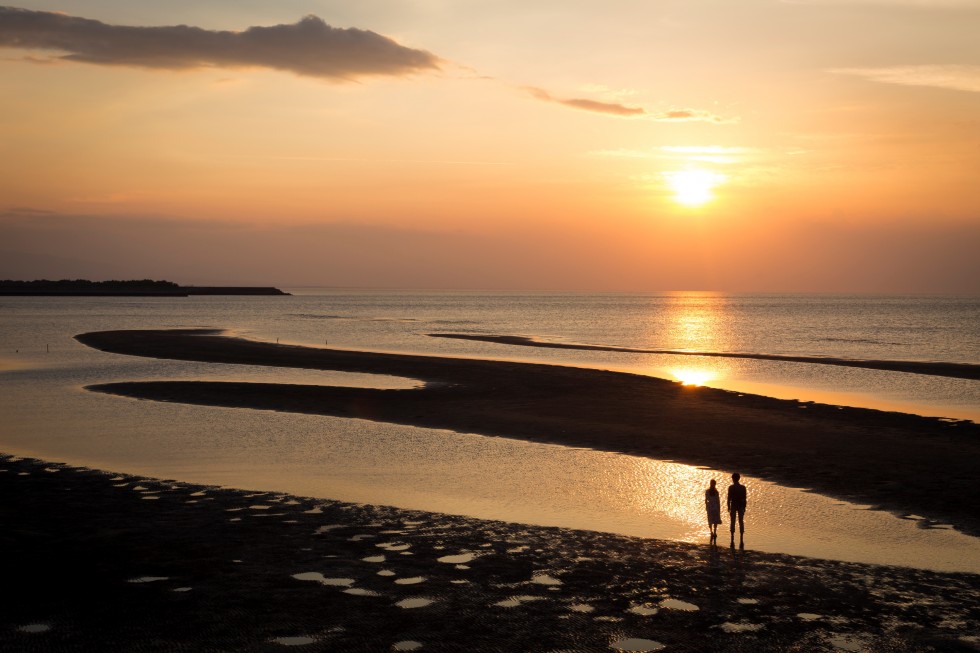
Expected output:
(811, 145)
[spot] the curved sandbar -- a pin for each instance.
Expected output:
(898, 462)
(930, 368)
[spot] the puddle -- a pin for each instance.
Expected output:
(545, 579)
(358, 538)
(150, 497)
(644, 610)
(317, 577)
(324, 529)
(515, 601)
(394, 547)
(34, 628)
(386, 572)
(742, 627)
(147, 579)
(748, 601)
(293, 641)
(406, 645)
(415, 580)
(809, 616)
(374, 559)
(182, 589)
(674, 604)
(636, 645)
(461, 558)
(414, 603)
(584, 608)
(357, 591)
(259, 507)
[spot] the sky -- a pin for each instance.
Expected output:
(628, 145)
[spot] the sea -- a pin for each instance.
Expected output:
(45, 411)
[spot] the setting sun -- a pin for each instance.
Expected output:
(693, 187)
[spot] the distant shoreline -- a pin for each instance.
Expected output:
(128, 288)
(892, 461)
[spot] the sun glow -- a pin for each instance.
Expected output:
(693, 377)
(693, 187)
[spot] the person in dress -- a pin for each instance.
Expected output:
(712, 503)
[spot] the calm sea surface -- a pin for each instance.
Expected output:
(45, 412)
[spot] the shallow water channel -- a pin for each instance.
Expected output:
(48, 414)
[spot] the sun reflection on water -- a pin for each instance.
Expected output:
(691, 376)
(695, 322)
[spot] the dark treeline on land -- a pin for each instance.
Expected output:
(131, 288)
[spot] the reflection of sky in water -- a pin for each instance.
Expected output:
(433, 470)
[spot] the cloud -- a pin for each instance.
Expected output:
(309, 47)
(692, 115)
(953, 77)
(624, 111)
(610, 108)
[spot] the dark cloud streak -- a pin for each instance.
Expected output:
(309, 47)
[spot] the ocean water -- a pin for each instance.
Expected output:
(46, 412)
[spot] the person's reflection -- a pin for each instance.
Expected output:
(738, 555)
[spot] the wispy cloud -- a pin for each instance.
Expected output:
(692, 115)
(309, 47)
(610, 108)
(626, 111)
(953, 77)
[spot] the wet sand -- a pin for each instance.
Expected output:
(893, 461)
(101, 562)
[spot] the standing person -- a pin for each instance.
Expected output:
(712, 504)
(737, 499)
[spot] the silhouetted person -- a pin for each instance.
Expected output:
(712, 504)
(737, 499)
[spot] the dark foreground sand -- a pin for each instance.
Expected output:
(98, 562)
(897, 462)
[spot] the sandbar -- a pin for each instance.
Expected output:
(928, 368)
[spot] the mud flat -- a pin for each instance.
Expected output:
(99, 561)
